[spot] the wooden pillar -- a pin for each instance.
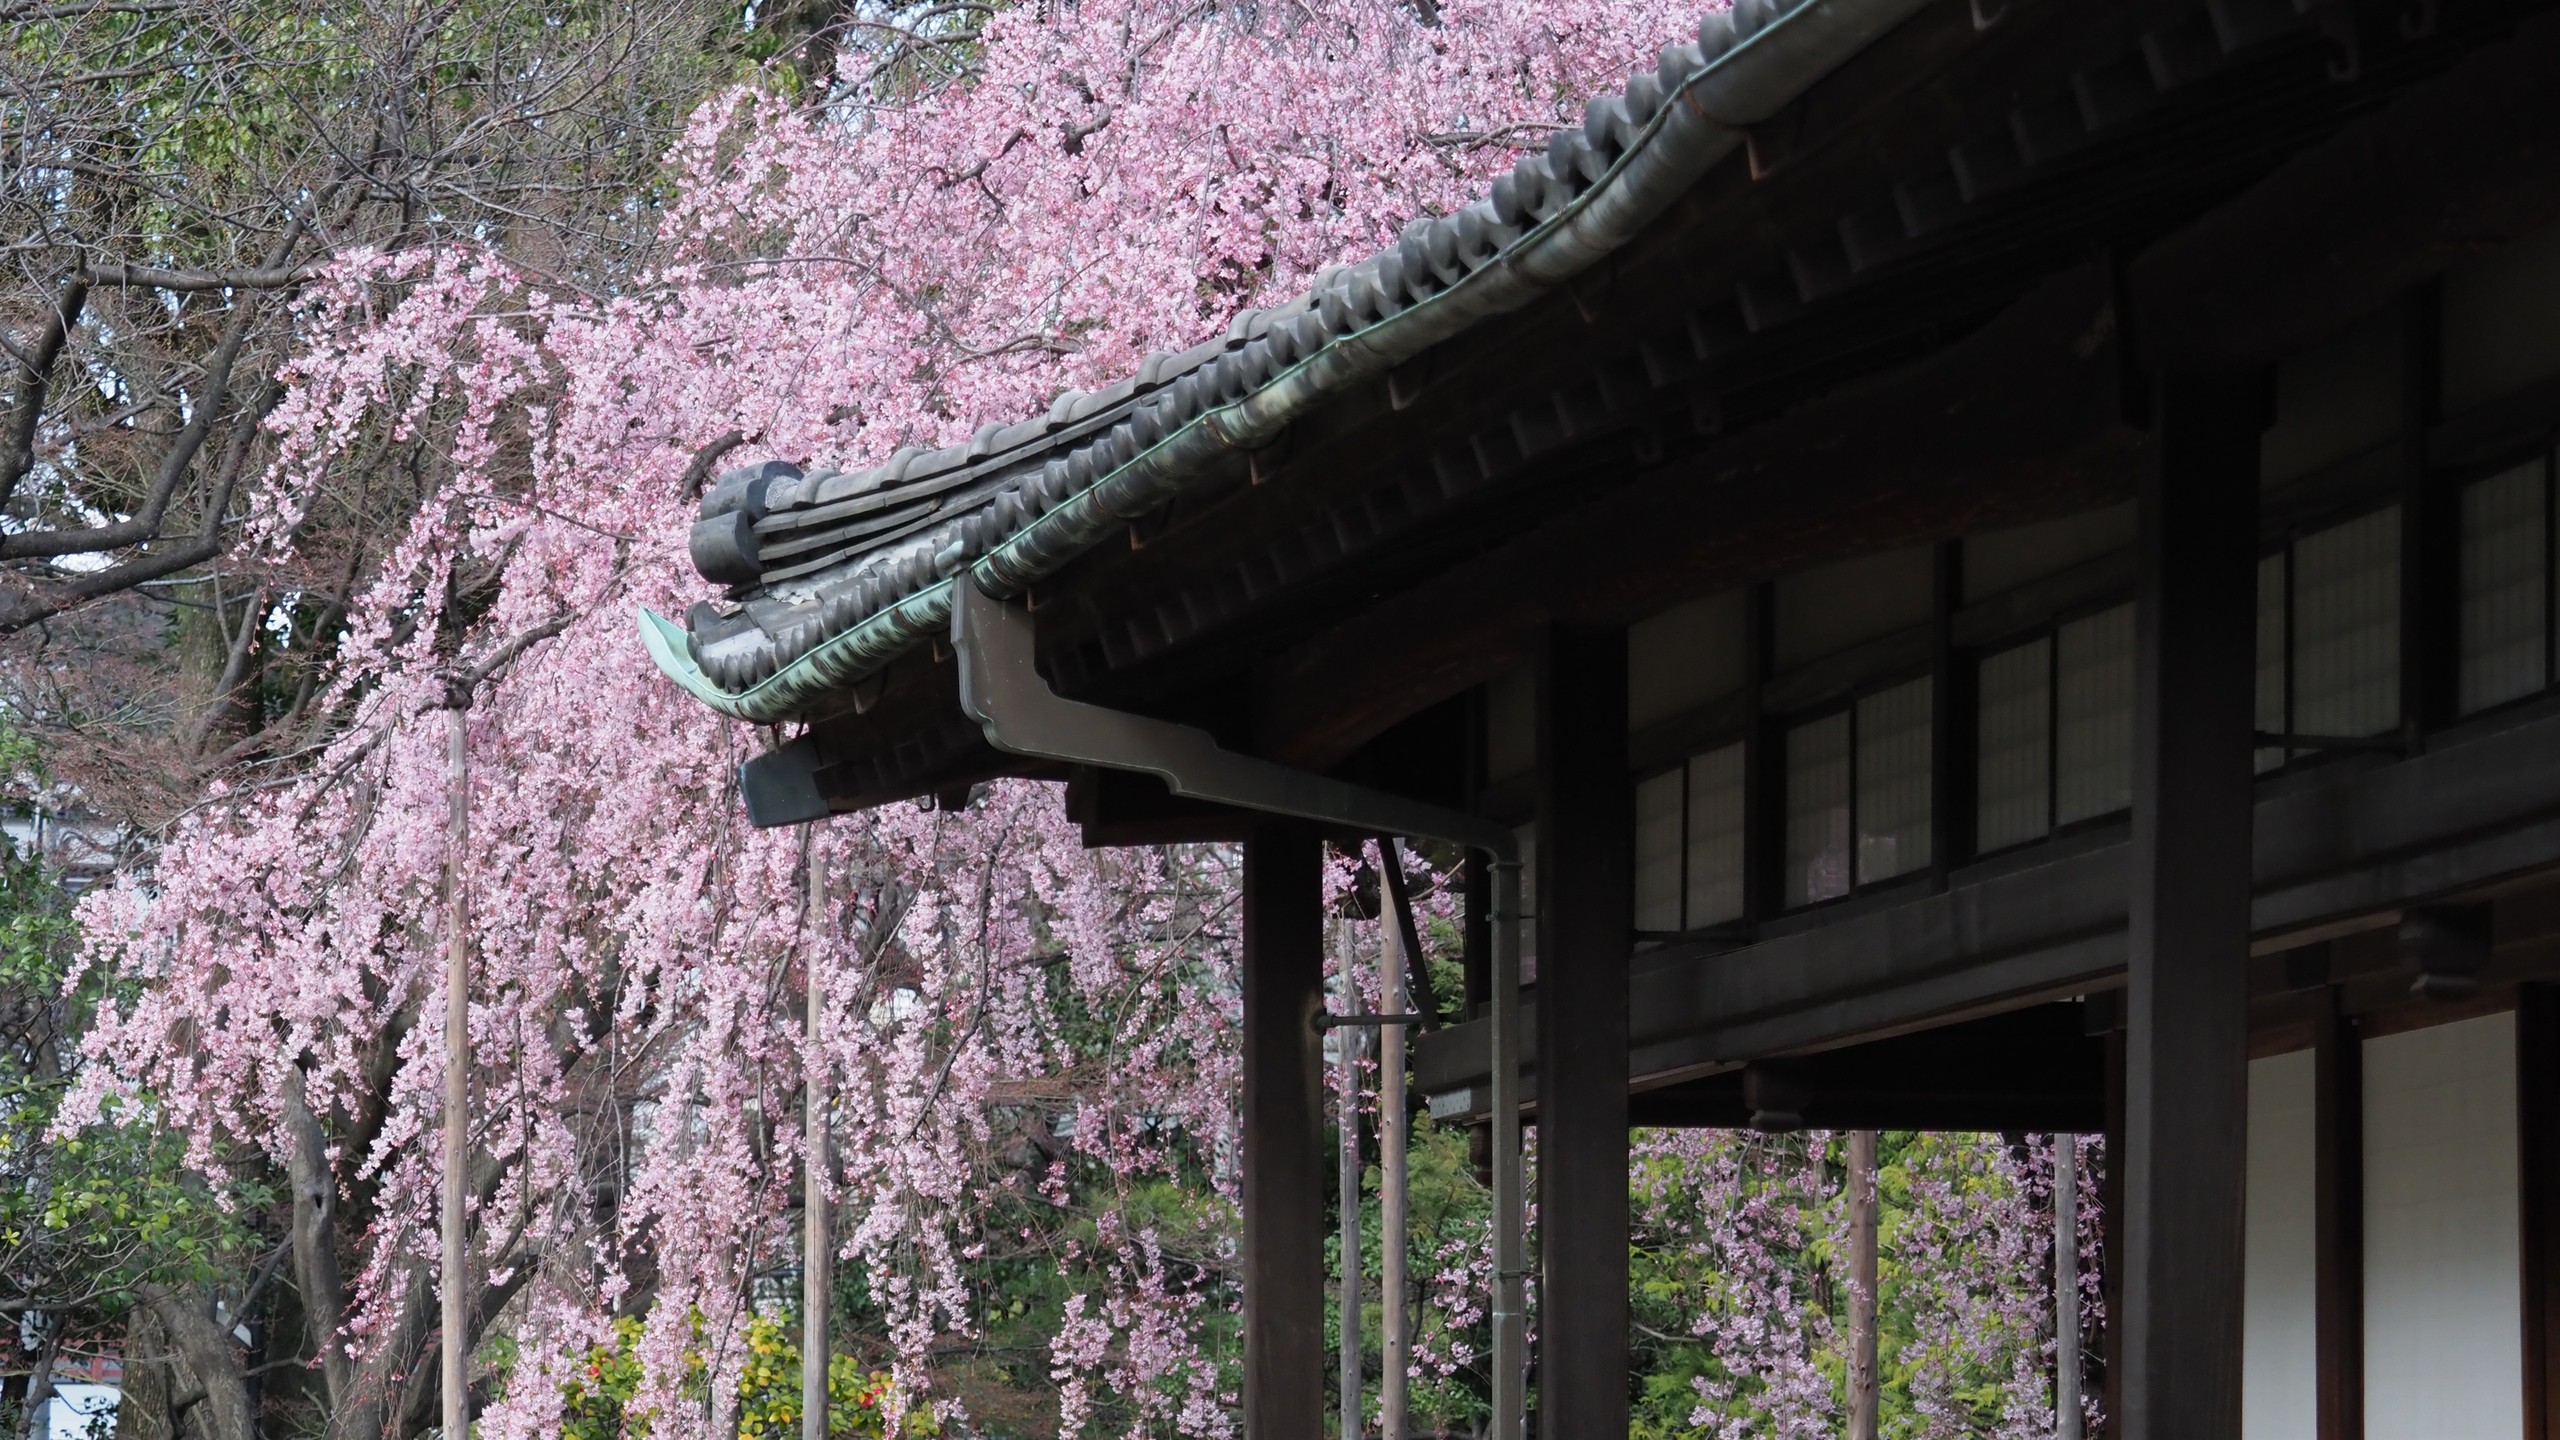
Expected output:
(1398, 958)
(1475, 916)
(1284, 1275)
(1346, 1167)
(2186, 1041)
(2066, 1288)
(1586, 895)
(2337, 1163)
(817, 1239)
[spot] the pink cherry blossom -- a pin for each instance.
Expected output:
(1013, 1018)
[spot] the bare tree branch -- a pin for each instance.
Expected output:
(186, 281)
(35, 368)
(698, 470)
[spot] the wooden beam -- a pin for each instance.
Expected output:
(1123, 807)
(1585, 901)
(2026, 1070)
(2019, 421)
(2341, 848)
(2187, 1015)
(1283, 1157)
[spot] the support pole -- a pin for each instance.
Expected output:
(1395, 1333)
(2066, 1287)
(1863, 1412)
(1283, 1210)
(2186, 1044)
(455, 1280)
(1585, 933)
(817, 1243)
(1510, 1247)
(1346, 1098)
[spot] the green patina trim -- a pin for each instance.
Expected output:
(836, 661)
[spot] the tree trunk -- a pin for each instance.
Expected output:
(315, 1240)
(40, 1378)
(143, 1410)
(218, 653)
(213, 1355)
(384, 1395)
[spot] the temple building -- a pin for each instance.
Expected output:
(1994, 564)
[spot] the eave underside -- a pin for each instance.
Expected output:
(1764, 382)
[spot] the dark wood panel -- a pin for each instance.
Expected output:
(2462, 164)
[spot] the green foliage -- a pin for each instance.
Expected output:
(859, 1403)
(84, 1217)
(595, 1398)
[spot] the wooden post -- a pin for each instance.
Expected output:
(455, 1281)
(2186, 1081)
(1862, 1285)
(1395, 1335)
(1346, 1101)
(1283, 1219)
(2066, 1287)
(1585, 930)
(1510, 1381)
(2337, 1163)
(817, 1243)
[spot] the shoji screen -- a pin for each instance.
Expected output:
(2279, 1362)
(2443, 1353)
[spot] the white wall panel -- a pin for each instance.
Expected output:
(2498, 337)
(1821, 612)
(2443, 1354)
(1687, 656)
(2003, 560)
(2279, 1370)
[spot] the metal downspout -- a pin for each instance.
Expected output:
(1002, 690)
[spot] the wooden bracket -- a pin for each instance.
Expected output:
(1406, 382)
(1774, 141)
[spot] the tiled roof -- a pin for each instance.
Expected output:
(832, 574)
